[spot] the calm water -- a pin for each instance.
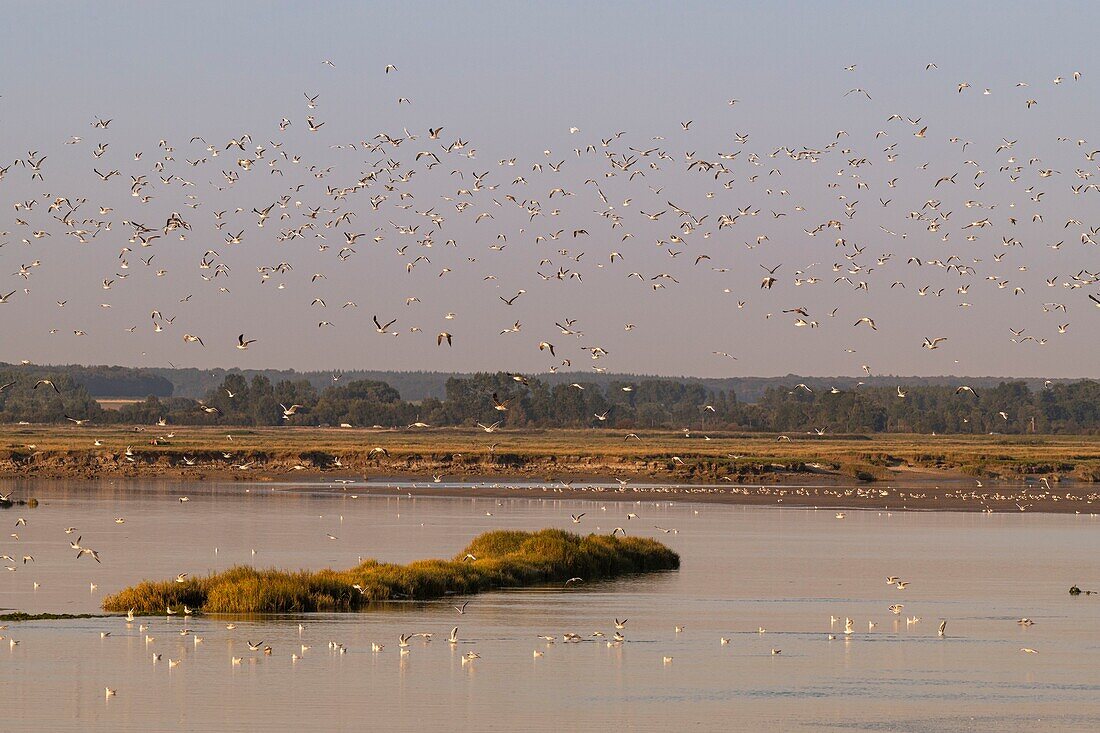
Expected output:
(787, 570)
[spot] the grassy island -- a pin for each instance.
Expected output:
(494, 560)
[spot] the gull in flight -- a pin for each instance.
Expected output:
(870, 322)
(380, 328)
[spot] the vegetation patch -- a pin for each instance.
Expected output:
(494, 560)
(862, 471)
(509, 459)
(881, 459)
(1087, 472)
(20, 616)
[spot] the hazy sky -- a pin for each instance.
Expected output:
(509, 80)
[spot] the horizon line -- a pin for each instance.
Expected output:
(558, 373)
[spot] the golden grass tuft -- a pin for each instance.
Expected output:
(504, 559)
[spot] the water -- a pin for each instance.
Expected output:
(787, 570)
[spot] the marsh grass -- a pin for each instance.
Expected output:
(505, 559)
(54, 450)
(519, 446)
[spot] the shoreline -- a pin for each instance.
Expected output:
(959, 473)
(796, 496)
(927, 493)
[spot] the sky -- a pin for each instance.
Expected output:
(520, 86)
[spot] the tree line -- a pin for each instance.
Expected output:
(99, 381)
(514, 401)
(131, 382)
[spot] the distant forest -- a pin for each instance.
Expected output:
(416, 386)
(128, 382)
(793, 404)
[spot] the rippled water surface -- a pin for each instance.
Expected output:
(785, 570)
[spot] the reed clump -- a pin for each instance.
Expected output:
(494, 560)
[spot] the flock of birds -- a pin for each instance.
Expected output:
(1020, 497)
(185, 221)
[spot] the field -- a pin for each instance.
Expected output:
(194, 452)
(116, 403)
